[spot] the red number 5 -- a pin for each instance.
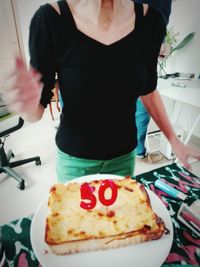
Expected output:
(87, 194)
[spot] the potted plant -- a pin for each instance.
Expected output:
(170, 46)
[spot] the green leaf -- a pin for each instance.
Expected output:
(184, 42)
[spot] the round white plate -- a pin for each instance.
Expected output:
(2, 260)
(148, 254)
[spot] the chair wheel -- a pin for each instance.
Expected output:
(38, 162)
(21, 185)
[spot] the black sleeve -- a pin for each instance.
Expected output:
(157, 37)
(42, 53)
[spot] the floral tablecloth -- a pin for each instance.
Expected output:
(185, 250)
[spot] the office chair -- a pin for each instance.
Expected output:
(5, 164)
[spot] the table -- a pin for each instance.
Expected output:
(185, 250)
(187, 96)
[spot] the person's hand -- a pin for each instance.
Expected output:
(183, 153)
(22, 89)
(164, 50)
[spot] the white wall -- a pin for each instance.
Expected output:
(185, 18)
(25, 11)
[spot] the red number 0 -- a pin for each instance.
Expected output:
(87, 194)
(105, 185)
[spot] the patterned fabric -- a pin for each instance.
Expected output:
(17, 244)
(186, 245)
(185, 250)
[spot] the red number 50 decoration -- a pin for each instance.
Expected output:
(87, 194)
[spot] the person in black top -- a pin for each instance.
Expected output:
(104, 53)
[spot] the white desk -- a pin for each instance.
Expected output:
(189, 95)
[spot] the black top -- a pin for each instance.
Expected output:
(99, 83)
(164, 6)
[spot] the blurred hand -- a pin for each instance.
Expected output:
(183, 153)
(22, 89)
(164, 50)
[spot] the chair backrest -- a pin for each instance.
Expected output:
(12, 128)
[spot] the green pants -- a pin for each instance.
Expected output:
(70, 167)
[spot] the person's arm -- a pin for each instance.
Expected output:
(33, 116)
(28, 91)
(152, 100)
(156, 109)
(22, 92)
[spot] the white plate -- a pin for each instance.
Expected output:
(2, 260)
(148, 254)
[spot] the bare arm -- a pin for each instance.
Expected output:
(155, 107)
(22, 92)
(33, 116)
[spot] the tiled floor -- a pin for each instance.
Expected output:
(38, 139)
